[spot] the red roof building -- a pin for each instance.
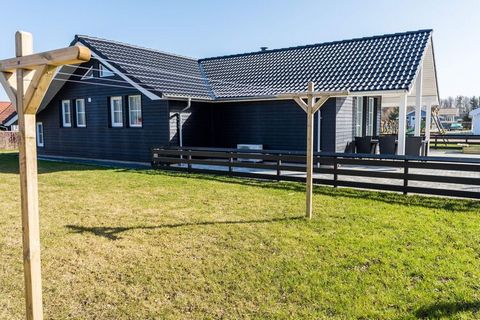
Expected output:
(7, 112)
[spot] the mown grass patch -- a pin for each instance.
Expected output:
(140, 244)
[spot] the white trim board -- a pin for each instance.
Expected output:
(147, 93)
(11, 121)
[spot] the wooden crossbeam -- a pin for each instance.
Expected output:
(320, 102)
(301, 103)
(26, 79)
(38, 88)
(59, 57)
(8, 82)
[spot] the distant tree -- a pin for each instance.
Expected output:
(393, 116)
(474, 103)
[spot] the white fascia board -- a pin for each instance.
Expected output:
(11, 121)
(147, 93)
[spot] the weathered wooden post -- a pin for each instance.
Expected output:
(26, 79)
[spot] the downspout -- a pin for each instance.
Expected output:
(180, 124)
(319, 130)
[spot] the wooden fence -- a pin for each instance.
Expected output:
(452, 141)
(458, 177)
(9, 140)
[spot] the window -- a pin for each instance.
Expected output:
(104, 72)
(81, 115)
(135, 111)
(370, 116)
(66, 114)
(40, 137)
(116, 111)
(359, 117)
(88, 74)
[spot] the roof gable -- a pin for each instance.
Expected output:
(379, 63)
(159, 71)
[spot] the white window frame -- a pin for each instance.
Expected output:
(130, 118)
(40, 135)
(359, 117)
(66, 114)
(84, 113)
(105, 72)
(112, 111)
(86, 74)
(370, 116)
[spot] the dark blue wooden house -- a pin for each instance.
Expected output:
(128, 99)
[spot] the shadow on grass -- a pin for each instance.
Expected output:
(449, 204)
(113, 232)
(446, 309)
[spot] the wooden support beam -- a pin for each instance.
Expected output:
(59, 57)
(309, 169)
(301, 103)
(29, 190)
(9, 83)
(38, 87)
(320, 102)
(310, 107)
(26, 79)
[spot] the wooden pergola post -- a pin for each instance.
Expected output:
(26, 79)
(315, 100)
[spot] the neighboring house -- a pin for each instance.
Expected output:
(128, 99)
(475, 116)
(411, 118)
(449, 116)
(8, 117)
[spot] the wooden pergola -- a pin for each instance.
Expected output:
(26, 79)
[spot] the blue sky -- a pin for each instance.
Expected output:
(210, 28)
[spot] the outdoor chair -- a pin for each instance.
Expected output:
(350, 147)
(413, 145)
(387, 144)
(364, 144)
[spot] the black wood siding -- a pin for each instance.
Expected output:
(279, 124)
(98, 139)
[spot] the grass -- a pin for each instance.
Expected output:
(126, 244)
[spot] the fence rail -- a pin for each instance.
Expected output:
(9, 140)
(458, 177)
(453, 141)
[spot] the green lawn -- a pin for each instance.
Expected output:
(126, 244)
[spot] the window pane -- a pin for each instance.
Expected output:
(81, 117)
(135, 111)
(66, 117)
(40, 134)
(116, 110)
(370, 116)
(359, 117)
(104, 72)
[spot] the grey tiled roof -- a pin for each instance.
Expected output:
(155, 70)
(387, 62)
